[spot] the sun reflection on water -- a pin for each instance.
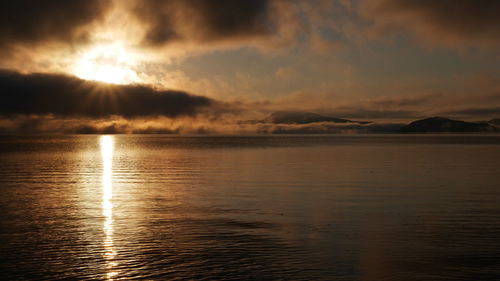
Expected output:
(107, 147)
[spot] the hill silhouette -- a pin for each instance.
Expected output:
(445, 125)
(495, 121)
(301, 117)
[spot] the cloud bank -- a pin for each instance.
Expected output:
(70, 96)
(50, 124)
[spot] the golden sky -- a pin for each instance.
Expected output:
(361, 59)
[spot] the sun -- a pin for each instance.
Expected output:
(108, 63)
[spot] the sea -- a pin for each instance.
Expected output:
(265, 207)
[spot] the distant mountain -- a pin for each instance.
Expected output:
(300, 117)
(495, 121)
(445, 125)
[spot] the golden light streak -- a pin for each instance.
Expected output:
(107, 147)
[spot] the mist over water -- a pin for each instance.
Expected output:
(367, 207)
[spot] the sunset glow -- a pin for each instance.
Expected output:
(250, 139)
(110, 63)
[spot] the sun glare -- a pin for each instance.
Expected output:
(111, 63)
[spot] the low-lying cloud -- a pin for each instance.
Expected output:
(50, 124)
(70, 96)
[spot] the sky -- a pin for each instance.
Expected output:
(195, 66)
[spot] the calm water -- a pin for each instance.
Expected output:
(386, 207)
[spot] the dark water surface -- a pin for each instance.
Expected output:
(388, 207)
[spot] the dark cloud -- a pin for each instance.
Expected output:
(449, 21)
(69, 96)
(30, 22)
(201, 21)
